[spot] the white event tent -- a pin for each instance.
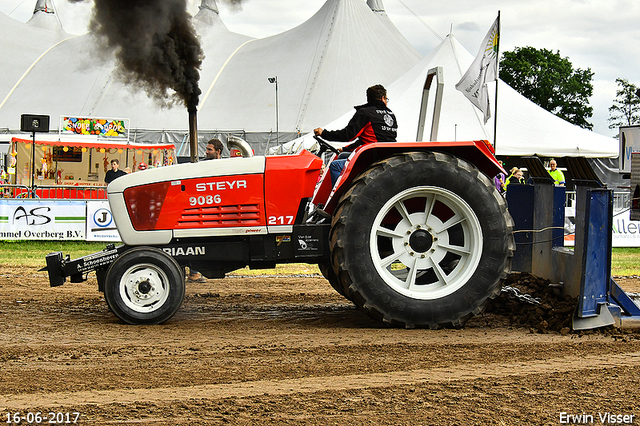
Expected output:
(21, 44)
(323, 67)
(523, 128)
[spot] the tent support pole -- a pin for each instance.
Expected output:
(33, 166)
(495, 112)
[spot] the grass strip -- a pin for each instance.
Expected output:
(625, 261)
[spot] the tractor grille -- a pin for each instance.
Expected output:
(236, 215)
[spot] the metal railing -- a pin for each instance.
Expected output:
(59, 192)
(15, 191)
(621, 200)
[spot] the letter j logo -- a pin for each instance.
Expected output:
(102, 218)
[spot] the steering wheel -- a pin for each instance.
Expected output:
(324, 145)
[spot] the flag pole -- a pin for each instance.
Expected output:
(495, 112)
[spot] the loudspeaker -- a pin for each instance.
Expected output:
(34, 123)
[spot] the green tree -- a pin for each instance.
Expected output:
(549, 80)
(625, 110)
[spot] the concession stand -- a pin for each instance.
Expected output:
(78, 157)
(52, 185)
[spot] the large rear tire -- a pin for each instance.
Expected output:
(422, 240)
(327, 271)
(144, 286)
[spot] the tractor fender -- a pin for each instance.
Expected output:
(479, 153)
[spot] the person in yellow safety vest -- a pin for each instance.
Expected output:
(516, 176)
(555, 173)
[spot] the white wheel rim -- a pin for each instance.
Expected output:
(144, 288)
(426, 242)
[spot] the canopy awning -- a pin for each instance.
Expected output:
(95, 144)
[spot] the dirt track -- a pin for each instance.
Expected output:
(289, 350)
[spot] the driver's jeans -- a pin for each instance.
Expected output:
(336, 166)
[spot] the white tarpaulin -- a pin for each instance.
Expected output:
(524, 128)
(322, 65)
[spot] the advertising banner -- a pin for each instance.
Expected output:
(624, 232)
(42, 220)
(100, 224)
(629, 138)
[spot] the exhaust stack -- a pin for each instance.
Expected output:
(193, 135)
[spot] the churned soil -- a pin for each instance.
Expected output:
(275, 350)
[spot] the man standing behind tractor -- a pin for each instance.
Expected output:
(214, 149)
(372, 122)
(555, 173)
(213, 152)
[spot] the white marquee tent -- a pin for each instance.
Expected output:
(323, 66)
(20, 47)
(524, 128)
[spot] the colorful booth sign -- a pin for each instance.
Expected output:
(101, 127)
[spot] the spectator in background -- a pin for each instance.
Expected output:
(555, 173)
(214, 149)
(500, 181)
(516, 177)
(115, 172)
(213, 152)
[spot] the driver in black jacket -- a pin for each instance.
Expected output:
(372, 122)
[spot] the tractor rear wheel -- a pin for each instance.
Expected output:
(144, 286)
(328, 272)
(422, 240)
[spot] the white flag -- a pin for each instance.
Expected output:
(473, 83)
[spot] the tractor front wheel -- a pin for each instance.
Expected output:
(144, 286)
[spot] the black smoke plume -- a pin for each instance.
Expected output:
(155, 44)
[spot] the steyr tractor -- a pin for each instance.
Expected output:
(414, 234)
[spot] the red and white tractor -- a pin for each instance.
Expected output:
(414, 234)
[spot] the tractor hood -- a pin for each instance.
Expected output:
(140, 201)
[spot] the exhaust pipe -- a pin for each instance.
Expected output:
(193, 135)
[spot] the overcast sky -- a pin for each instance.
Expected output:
(603, 35)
